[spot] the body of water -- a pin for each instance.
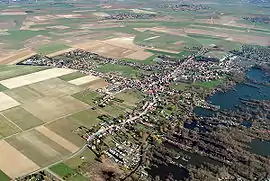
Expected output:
(231, 98)
(260, 147)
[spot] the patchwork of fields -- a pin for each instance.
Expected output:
(39, 111)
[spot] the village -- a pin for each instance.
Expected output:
(125, 146)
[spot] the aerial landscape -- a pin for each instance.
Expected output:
(135, 90)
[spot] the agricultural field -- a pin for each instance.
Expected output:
(53, 29)
(39, 111)
(41, 108)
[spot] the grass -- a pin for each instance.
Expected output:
(4, 177)
(22, 35)
(179, 86)
(210, 84)
(62, 170)
(130, 97)
(125, 71)
(87, 97)
(179, 55)
(72, 76)
(2, 88)
(77, 178)
(87, 118)
(51, 48)
(22, 118)
(6, 128)
(114, 110)
(76, 161)
(148, 61)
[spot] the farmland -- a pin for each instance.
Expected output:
(49, 30)
(47, 112)
(38, 117)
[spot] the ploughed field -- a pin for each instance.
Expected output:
(40, 108)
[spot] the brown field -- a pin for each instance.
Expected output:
(60, 52)
(96, 84)
(65, 127)
(100, 14)
(58, 139)
(50, 108)
(13, 163)
(101, 25)
(35, 77)
(37, 41)
(178, 32)
(55, 88)
(7, 24)
(12, 13)
(116, 48)
(164, 50)
(83, 80)
(7, 102)
(17, 56)
(139, 55)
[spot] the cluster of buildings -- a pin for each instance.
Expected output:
(192, 70)
(126, 153)
(184, 7)
(122, 16)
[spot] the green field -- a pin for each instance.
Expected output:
(86, 118)
(9, 71)
(6, 127)
(130, 97)
(76, 161)
(87, 97)
(114, 110)
(72, 76)
(68, 173)
(77, 178)
(51, 48)
(209, 84)
(119, 69)
(4, 177)
(2, 88)
(22, 118)
(62, 170)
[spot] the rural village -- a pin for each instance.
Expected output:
(127, 91)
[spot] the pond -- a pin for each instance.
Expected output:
(260, 147)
